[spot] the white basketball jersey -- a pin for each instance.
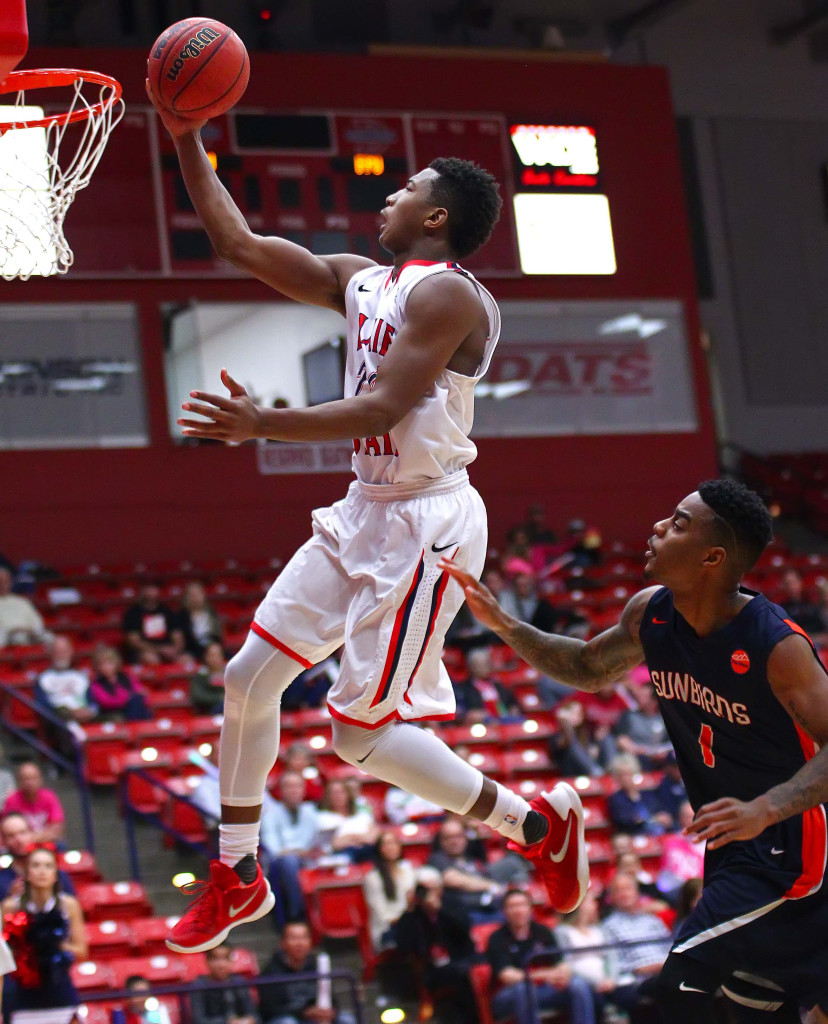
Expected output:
(432, 440)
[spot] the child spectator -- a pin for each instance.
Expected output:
(38, 805)
(114, 690)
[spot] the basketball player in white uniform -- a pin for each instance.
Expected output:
(420, 335)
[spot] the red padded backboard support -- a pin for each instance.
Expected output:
(14, 35)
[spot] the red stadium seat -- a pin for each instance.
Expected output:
(159, 969)
(336, 906)
(531, 760)
(149, 933)
(80, 865)
(481, 979)
(92, 976)
(117, 901)
(109, 939)
(103, 741)
(144, 796)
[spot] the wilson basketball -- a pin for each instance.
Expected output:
(198, 68)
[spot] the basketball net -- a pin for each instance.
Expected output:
(45, 161)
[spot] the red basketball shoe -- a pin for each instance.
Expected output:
(560, 858)
(220, 904)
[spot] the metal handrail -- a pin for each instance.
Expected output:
(132, 812)
(186, 988)
(73, 767)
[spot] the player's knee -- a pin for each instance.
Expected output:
(684, 988)
(352, 743)
(236, 679)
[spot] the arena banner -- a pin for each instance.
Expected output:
(588, 367)
(71, 377)
(276, 457)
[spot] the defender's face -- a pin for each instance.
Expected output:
(676, 551)
(405, 212)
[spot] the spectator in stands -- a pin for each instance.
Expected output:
(637, 966)
(555, 986)
(114, 690)
(64, 689)
(400, 807)
(689, 896)
(631, 809)
(343, 825)
(207, 682)
(17, 839)
(517, 557)
(604, 708)
(299, 757)
(584, 543)
(504, 594)
(470, 883)
(388, 888)
(641, 731)
(198, 620)
(574, 748)
(45, 930)
(231, 1005)
(537, 528)
(681, 859)
(290, 831)
(39, 806)
(298, 1001)
(20, 621)
(582, 929)
(481, 697)
(628, 862)
(796, 603)
(141, 1009)
(152, 633)
(436, 936)
(670, 793)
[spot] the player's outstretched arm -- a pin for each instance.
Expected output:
(587, 665)
(289, 268)
(440, 314)
(801, 687)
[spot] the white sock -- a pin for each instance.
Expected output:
(237, 842)
(508, 814)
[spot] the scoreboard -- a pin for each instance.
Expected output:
(316, 177)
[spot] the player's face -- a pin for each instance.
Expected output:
(678, 548)
(406, 211)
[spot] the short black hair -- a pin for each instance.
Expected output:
(471, 196)
(746, 526)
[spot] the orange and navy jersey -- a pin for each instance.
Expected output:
(731, 735)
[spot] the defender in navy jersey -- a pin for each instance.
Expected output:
(745, 701)
(420, 334)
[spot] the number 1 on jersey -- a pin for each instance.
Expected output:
(706, 744)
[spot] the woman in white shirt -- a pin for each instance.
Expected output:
(388, 887)
(343, 825)
(582, 929)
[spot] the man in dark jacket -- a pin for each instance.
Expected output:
(553, 987)
(221, 1005)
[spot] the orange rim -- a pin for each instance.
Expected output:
(53, 78)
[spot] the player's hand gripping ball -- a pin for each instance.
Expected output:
(198, 68)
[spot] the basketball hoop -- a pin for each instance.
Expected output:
(45, 161)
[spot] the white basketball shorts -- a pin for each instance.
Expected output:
(368, 579)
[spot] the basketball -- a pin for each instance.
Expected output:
(198, 68)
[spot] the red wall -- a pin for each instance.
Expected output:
(67, 507)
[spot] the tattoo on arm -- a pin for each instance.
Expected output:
(806, 789)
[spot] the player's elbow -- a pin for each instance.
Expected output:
(236, 245)
(381, 416)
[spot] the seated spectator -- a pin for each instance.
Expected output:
(469, 883)
(517, 556)
(574, 748)
(207, 682)
(289, 832)
(805, 612)
(503, 593)
(584, 543)
(17, 839)
(641, 731)
(631, 809)
(401, 806)
(555, 985)
(480, 697)
(689, 895)
(232, 1005)
(344, 826)
(114, 690)
(299, 757)
(152, 633)
(670, 794)
(603, 708)
(198, 620)
(637, 966)
(628, 862)
(536, 528)
(20, 621)
(298, 1001)
(581, 929)
(38, 805)
(136, 1010)
(46, 933)
(64, 689)
(681, 859)
(388, 887)
(436, 937)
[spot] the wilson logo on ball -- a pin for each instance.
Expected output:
(739, 662)
(192, 48)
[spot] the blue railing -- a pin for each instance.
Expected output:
(74, 766)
